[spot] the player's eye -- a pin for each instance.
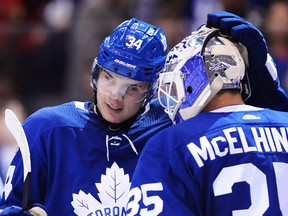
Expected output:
(108, 77)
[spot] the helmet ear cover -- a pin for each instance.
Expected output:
(207, 63)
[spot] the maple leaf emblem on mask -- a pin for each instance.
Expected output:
(113, 193)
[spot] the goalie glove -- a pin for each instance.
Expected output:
(265, 86)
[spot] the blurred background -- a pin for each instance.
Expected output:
(47, 46)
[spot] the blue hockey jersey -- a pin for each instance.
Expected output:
(79, 166)
(217, 163)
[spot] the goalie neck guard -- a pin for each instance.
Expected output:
(196, 70)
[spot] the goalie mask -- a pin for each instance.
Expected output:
(134, 50)
(196, 69)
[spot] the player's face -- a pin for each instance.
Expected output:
(119, 98)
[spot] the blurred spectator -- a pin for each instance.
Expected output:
(174, 16)
(248, 9)
(32, 52)
(93, 21)
(252, 10)
(276, 32)
(49, 61)
(200, 9)
(238, 7)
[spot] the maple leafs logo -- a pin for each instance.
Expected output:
(113, 192)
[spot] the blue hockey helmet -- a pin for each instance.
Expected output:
(199, 67)
(135, 49)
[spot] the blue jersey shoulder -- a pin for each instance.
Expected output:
(72, 114)
(153, 120)
(154, 114)
(57, 115)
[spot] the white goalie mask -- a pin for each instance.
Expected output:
(196, 69)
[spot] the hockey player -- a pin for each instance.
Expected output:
(83, 154)
(222, 157)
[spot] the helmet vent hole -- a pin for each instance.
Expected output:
(106, 54)
(115, 69)
(129, 74)
(189, 89)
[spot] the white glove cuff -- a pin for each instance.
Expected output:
(37, 211)
(270, 65)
